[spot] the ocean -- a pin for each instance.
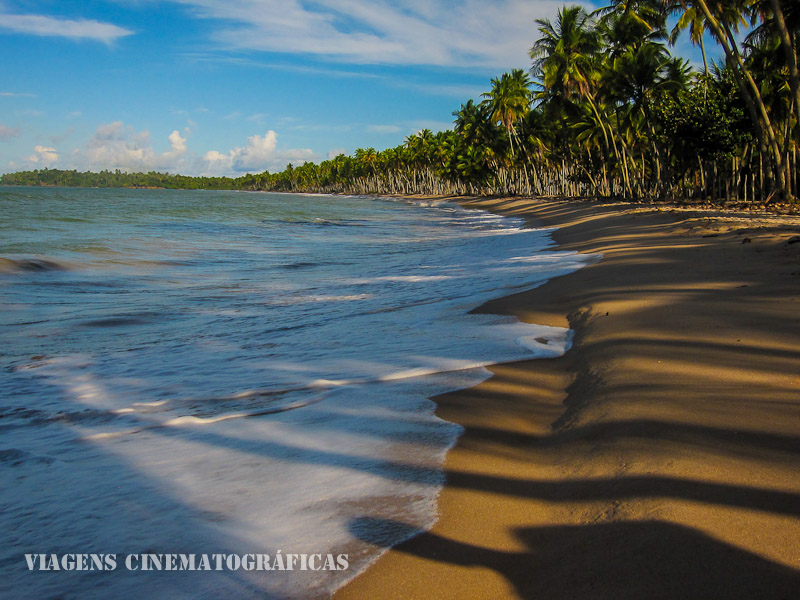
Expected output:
(231, 373)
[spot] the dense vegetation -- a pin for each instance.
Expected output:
(58, 177)
(606, 110)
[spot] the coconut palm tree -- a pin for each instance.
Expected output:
(509, 101)
(724, 20)
(566, 54)
(635, 79)
(780, 20)
(692, 19)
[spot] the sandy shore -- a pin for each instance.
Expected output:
(660, 458)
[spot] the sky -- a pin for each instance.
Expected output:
(225, 87)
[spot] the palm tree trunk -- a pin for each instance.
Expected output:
(703, 52)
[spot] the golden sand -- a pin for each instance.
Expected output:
(660, 457)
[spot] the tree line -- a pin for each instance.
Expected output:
(606, 110)
(117, 179)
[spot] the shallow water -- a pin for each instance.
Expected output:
(226, 372)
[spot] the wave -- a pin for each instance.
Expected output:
(322, 222)
(30, 265)
(300, 265)
(15, 457)
(141, 318)
(169, 412)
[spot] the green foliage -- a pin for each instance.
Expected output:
(706, 121)
(117, 179)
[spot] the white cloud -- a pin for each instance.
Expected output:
(16, 94)
(326, 71)
(260, 154)
(334, 152)
(459, 91)
(430, 32)
(69, 28)
(177, 142)
(117, 146)
(7, 133)
(383, 128)
(44, 156)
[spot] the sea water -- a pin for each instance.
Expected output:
(225, 372)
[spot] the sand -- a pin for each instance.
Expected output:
(660, 457)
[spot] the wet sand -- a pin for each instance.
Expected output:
(660, 457)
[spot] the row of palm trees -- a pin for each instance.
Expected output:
(606, 110)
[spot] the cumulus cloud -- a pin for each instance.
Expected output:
(177, 143)
(260, 154)
(69, 28)
(44, 156)
(334, 152)
(117, 146)
(426, 32)
(7, 133)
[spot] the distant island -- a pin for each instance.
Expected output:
(120, 179)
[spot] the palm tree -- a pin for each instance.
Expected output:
(509, 101)
(565, 56)
(630, 23)
(724, 21)
(468, 119)
(567, 62)
(650, 14)
(636, 78)
(692, 19)
(781, 20)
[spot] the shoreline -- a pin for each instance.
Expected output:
(657, 457)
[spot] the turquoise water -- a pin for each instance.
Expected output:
(192, 371)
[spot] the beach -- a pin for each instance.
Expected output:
(659, 457)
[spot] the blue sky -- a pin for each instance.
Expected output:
(223, 87)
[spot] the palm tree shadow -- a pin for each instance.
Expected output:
(614, 561)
